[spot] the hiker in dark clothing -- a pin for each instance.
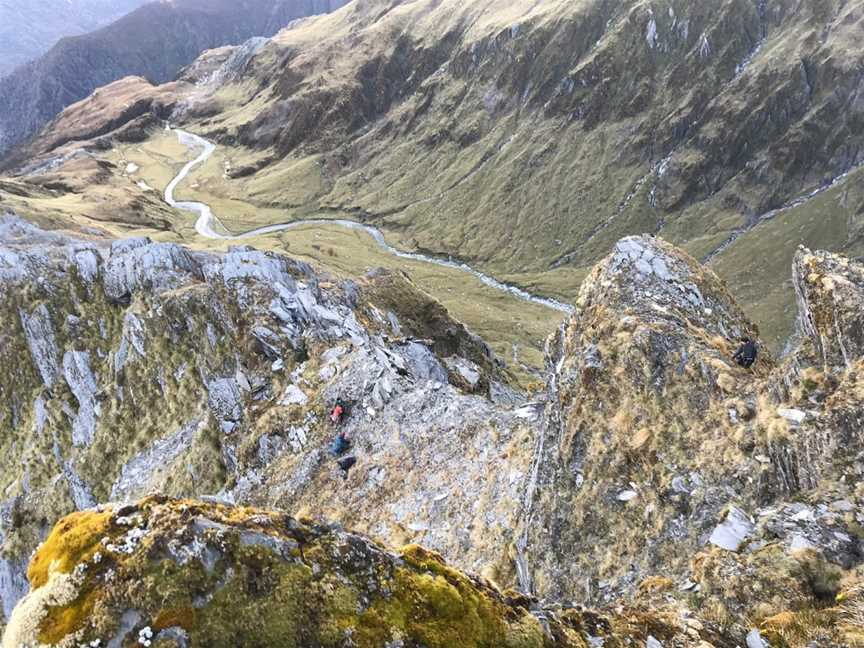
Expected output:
(340, 444)
(746, 354)
(345, 464)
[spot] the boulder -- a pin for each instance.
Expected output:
(734, 531)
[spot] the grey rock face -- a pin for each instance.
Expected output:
(133, 340)
(830, 292)
(13, 583)
(243, 263)
(755, 640)
(139, 264)
(226, 402)
(466, 372)
(87, 262)
(146, 469)
(422, 363)
(236, 62)
(43, 346)
(643, 273)
(79, 376)
(80, 491)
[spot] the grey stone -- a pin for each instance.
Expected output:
(843, 506)
(140, 474)
(733, 531)
(225, 399)
(394, 323)
(282, 547)
(86, 261)
(467, 371)
(794, 416)
(422, 364)
(13, 583)
(82, 383)
(128, 621)
(40, 339)
(82, 494)
(138, 264)
(293, 396)
(755, 640)
(248, 264)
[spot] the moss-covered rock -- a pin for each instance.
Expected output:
(178, 572)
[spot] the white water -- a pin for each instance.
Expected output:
(204, 225)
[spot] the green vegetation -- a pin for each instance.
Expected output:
(319, 589)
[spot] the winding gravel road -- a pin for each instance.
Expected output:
(204, 225)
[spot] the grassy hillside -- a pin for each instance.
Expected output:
(527, 141)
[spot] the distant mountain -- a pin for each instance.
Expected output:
(29, 29)
(154, 41)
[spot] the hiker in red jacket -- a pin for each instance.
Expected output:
(337, 414)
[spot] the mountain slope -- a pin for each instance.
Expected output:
(651, 464)
(530, 142)
(155, 41)
(29, 29)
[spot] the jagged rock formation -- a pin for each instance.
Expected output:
(155, 42)
(184, 573)
(659, 456)
(637, 415)
(138, 367)
(830, 303)
(692, 500)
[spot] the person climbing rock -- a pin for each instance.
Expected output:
(337, 414)
(345, 464)
(340, 444)
(746, 354)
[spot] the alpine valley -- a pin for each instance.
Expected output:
(413, 324)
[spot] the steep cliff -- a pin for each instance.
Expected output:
(683, 496)
(137, 367)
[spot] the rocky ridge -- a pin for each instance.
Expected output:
(682, 496)
(139, 367)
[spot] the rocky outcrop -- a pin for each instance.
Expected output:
(411, 311)
(638, 408)
(654, 478)
(657, 454)
(830, 290)
(143, 367)
(185, 573)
